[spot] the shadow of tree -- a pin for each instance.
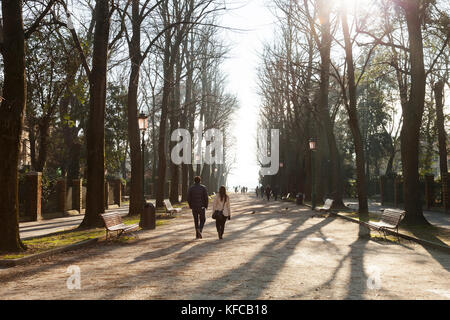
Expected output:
(438, 255)
(192, 254)
(271, 257)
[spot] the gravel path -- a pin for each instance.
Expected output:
(275, 253)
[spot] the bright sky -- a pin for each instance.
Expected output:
(241, 68)
(255, 17)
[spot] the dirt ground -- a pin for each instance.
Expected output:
(281, 251)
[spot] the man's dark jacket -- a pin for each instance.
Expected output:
(198, 197)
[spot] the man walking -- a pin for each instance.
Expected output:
(198, 202)
(268, 190)
(275, 193)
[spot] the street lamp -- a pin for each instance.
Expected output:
(312, 147)
(143, 125)
(281, 179)
(312, 144)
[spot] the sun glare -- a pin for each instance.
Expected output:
(351, 4)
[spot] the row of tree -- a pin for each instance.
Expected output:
(76, 75)
(365, 79)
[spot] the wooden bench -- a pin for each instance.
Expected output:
(113, 223)
(390, 219)
(169, 208)
(327, 205)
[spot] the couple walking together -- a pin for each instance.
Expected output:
(198, 202)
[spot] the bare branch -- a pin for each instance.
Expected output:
(38, 20)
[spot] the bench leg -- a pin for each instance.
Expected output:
(379, 231)
(134, 234)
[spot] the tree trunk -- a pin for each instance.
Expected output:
(412, 117)
(392, 153)
(123, 164)
(429, 139)
(71, 160)
(12, 110)
(168, 76)
(32, 138)
(325, 48)
(136, 200)
(442, 136)
(174, 120)
(63, 112)
(44, 128)
(184, 121)
(95, 204)
(353, 122)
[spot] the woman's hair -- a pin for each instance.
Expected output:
(223, 193)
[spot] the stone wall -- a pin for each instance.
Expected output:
(63, 197)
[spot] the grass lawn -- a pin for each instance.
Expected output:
(429, 233)
(372, 216)
(67, 237)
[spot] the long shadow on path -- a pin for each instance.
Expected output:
(270, 257)
(203, 248)
(438, 255)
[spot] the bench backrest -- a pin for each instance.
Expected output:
(168, 204)
(328, 203)
(392, 216)
(111, 219)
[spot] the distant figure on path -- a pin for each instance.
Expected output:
(268, 192)
(257, 190)
(275, 193)
(222, 203)
(262, 192)
(198, 202)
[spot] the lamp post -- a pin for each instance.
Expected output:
(143, 124)
(281, 183)
(312, 147)
(216, 179)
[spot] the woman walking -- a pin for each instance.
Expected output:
(222, 204)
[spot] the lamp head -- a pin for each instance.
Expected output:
(142, 120)
(312, 144)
